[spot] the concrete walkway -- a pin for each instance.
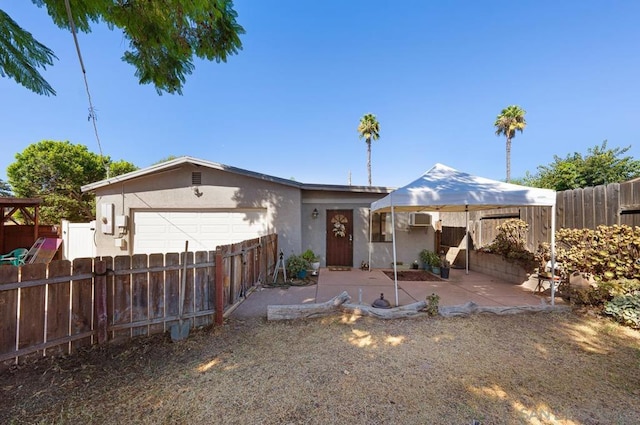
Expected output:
(365, 287)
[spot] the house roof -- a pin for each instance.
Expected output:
(346, 188)
(178, 162)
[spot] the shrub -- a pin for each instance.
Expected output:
(625, 309)
(310, 256)
(512, 234)
(623, 287)
(608, 253)
(433, 301)
(511, 243)
(604, 292)
(430, 257)
(295, 264)
(611, 254)
(595, 296)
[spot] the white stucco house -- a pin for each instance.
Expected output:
(155, 209)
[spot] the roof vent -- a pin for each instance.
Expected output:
(196, 178)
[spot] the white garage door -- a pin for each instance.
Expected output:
(166, 231)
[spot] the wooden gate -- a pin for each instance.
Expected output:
(340, 238)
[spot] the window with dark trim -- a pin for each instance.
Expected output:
(381, 230)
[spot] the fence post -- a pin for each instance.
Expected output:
(100, 273)
(219, 285)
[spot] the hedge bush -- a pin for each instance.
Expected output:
(625, 309)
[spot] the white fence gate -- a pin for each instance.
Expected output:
(78, 240)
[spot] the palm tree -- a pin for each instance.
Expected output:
(369, 129)
(510, 120)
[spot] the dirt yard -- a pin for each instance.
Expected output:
(524, 369)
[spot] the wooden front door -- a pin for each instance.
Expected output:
(340, 238)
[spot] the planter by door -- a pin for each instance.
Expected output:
(444, 272)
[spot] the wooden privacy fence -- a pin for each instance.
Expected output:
(590, 207)
(57, 307)
(23, 236)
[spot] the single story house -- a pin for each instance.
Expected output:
(158, 208)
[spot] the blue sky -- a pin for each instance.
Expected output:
(435, 74)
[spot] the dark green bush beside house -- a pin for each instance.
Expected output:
(297, 266)
(429, 259)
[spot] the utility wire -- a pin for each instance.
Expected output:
(92, 111)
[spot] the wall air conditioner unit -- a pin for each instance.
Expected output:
(420, 219)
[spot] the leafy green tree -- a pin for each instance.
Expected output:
(118, 168)
(21, 55)
(601, 165)
(167, 159)
(510, 120)
(369, 129)
(55, 171)
(164, 37)
(5, 189)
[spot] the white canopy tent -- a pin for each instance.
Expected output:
(445, 189)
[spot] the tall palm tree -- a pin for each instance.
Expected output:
(369, 129)
(510, 120)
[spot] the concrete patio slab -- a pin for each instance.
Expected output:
(366, 286)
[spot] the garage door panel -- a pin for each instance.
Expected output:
(157, 218)
(151, 227)
(215, 221)
(183, 228)
(215, 228)
(242, 230)
(180, 220)
(162, 232)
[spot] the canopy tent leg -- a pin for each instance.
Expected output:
(370, 234)
(466, 220)
(553, 254)
(395, 266)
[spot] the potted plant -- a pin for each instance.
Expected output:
(425, 257)
(297, 266)
(312, 259)
(434, 260)
(445, 266)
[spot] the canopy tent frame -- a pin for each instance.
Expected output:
(444, 189)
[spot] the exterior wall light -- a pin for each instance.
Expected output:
(315, 213)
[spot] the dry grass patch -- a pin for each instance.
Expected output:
(530, 369)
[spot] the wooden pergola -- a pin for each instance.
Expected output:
(28, 207)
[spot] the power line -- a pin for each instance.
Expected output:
(92, 110)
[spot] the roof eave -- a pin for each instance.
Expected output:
(175, 163)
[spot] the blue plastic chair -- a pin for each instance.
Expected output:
(15, 257)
